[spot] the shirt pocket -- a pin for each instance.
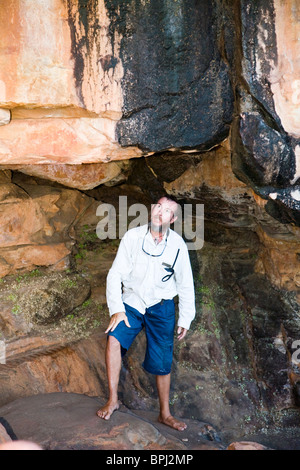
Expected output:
(163, 277)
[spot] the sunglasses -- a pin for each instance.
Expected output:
(149, 254)
(169, 268)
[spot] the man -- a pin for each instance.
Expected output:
(153, 266)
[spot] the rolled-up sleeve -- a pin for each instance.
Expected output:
(120, 269)
(185, 289)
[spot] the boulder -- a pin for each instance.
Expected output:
(244, 445)
(53, 361)
(45, 299)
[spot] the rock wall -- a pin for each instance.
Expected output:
(237, 364)
(37, 225)
(134, 75)
(200, 99)
(266, 137)
(121, 80)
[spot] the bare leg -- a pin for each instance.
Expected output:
(113, 368)
(163, 383)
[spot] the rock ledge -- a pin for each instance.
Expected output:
(68, 421)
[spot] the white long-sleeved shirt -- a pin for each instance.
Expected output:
(141, 274)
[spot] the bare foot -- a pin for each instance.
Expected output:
(172, 422)
(108, 409)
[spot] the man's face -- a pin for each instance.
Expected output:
(163, 213)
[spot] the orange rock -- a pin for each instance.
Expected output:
(285, 74)
(72, 141)
(36, 63)
(27, 258)
(278, 258)
(244, 445)
(55, 119)
(214, 171)
(50, 372)
(74, 176)
(36, 224)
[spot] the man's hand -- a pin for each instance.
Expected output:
(181, 333)
(115, 320)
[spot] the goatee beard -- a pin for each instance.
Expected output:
(159, 228)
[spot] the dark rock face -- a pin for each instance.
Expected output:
(81, 42)
(267, 157)
(264, 152)
(176, 85)
(256, 18)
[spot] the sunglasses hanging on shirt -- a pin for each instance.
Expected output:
(164, 246)
(170, 269)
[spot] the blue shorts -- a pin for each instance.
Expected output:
(159, 324)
